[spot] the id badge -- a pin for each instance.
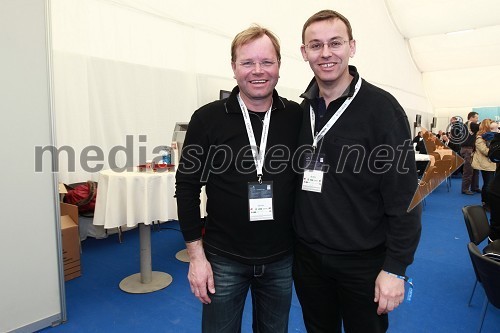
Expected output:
(312, 180)
(260, 201)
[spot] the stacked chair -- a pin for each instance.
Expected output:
(487, 264)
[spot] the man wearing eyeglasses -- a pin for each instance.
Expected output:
(355, 237)
(241, 148)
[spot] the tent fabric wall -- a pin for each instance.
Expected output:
(135, 67)
(455, 45)
(122, 103)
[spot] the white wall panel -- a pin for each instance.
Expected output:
(30, 282)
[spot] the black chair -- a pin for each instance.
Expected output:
(476, 222)
(478, 229)
(488, 272)
(492, 250)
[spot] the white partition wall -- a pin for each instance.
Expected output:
(31, 290)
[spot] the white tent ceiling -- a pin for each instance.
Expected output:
(456, 45)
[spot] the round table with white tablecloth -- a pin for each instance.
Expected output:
(134, 198)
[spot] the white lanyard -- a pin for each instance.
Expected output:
(257, 153)
(333, 119)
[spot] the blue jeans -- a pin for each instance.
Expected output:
(271, 288)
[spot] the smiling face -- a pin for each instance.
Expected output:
(330, 67)
(256, 82)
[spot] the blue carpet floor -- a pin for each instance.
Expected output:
(442, 274)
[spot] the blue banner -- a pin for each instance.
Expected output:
(488, 112)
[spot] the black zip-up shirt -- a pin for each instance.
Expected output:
(469, 132)
(370, 182)
(217, 154)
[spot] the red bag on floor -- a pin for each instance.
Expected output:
(83, 196)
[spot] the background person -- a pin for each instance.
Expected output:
(480, 160)
(248, 236)
(488, 136)
(447, 142)
(418, 140)
(494, 190)
(354, 234)
(494, 127)
(470, 176)
(455, 128)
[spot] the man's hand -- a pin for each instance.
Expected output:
(200, 274)
(389, 292)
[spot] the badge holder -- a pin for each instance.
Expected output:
(312, 180)
(260, 201)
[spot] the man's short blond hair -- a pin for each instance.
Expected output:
(251, 34)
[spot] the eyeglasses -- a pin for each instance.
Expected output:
(252, 64)
(334, 44)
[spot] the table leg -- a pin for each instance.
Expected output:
(146, 281)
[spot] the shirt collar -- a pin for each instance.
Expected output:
(312, 90)
(233, 106)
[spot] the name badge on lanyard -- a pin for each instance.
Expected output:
(312, 180)
(260, 193)
(260, 201)
(313, 172)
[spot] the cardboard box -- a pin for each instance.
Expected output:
(70, 241)
(62, 191)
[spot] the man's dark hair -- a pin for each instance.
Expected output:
(471, 114)
(325, 15)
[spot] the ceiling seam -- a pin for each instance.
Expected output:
(457, 69)
(157, 13)
(406, 40)
(398, 88)
(410, 52)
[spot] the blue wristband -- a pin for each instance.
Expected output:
(407, 280)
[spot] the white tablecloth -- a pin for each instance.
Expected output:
(424, 157)
(132, 197)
